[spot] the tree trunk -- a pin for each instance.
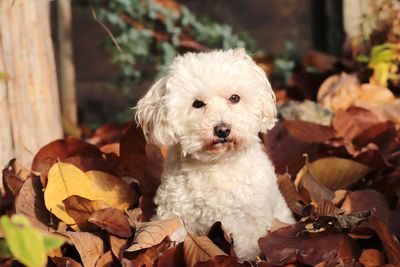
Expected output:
(30, 110)
(66, 65)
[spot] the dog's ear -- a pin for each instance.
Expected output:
(151, 115)
(268, 106)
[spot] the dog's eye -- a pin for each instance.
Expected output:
(234, 99)
(198, 104)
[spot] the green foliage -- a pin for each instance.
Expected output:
(384, 59)
(284, 64)
(151, 35)
(26, 243)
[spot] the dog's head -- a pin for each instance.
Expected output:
(209, 104)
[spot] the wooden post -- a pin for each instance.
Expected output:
(66, 65)
(29, 96)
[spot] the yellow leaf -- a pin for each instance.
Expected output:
(112, 190)
(335, 173)
(65, 180)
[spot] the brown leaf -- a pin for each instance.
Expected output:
(88, 163)
(218, 236)
(133, 153)
(113, 221)
(382, 134)
(106, 260)
(64, 261)
(323, 208)
(286, 246)
(30, 203)
(277, 224)
(149, 256)
(14, 177)
(289, 140)
(89, 246)
(80, 209)
(173, 257)
(352, 122)
(110, 148)
(335, 173)
(199, 248)
(223, 261)
(108, 133)
(306, 180)
(290, 194)
(60, 150)
(147, 206)
(367, 200)
(372, 257)
(389, 241)
(334, 249)
(342, 223)
(118, 245)
(152, 233)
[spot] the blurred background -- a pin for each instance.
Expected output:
(70, 67)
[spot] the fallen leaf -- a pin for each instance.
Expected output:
(89, 246)
(335, 173)
(285, 246)
(389, 241)
(219, 236)
(112, 190)
(133, 153)
(372, 257)
(290, 194)
(198, 249)
(12, 179)
(118, 245)
(277, 224)
(60, 150)
(339, 92)
(289, 140)
(106, 260)
(323, 208)
(305, 179)
(150, 255)
(80, 209)
(367, 200)
(65, 180)
(108, 133)
(173, 257)
(65, 262)
(111, 148)
(113, 221)
(30, 203)
(342, 223)
(143, 161)
(223, 261)
(353, 121)
(152, 233)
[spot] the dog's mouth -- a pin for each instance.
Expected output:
(219, 145)
(222, 141)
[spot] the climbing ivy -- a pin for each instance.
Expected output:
(150, 33)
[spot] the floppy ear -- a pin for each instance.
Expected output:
(268, 106)
(152, 114)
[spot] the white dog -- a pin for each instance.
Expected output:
(210, 108)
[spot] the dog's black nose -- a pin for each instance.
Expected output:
(222, 130)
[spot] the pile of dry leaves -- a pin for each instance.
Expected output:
(341, 182)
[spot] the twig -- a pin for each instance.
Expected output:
(107, 30)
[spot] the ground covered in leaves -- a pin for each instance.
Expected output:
(340, 177)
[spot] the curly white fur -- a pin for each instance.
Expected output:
(204, 180)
